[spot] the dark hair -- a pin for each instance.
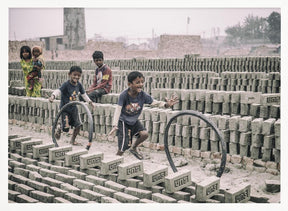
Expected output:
(28, 49)
(133, 75)
(98, 55)
(75, 69)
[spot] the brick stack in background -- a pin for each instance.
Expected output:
(225, 81)
(240, 95)
(189, 63)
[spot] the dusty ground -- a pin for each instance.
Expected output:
(233, 175)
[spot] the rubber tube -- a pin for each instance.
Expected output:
(90, 120)
(208, 121)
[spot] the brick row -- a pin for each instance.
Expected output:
(245, 135)
(189, 62)
(44, 182)
(262, 82)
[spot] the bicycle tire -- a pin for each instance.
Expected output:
(205, 119)
(90, 121)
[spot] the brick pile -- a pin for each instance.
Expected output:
(233, 81)
(188, 63)
(246, 137)
(42, 173)
(244, 106)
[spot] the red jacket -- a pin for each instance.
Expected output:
(102, 79)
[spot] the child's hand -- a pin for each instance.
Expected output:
(91, 104)
(52, 98)
(172, 101)
(111, 133)
(37, 67)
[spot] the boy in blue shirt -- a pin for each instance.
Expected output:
(129, 108)
(69, 91)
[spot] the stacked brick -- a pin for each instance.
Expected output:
(102, 115)
(245, 135)
(242, 103)
(240, 95)
(225, 81)
(254, 82)
(230, 64)
(189, 63)
(43, 173)
(33, 110)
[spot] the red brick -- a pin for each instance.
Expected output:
(228, 158)
(260, 163)
(247, 161)
(152, 146)
(160, 147)
(177, 150)
(216, 155)
(206, 155)
(236, 159)
(187, 153)
(272, 171)
(196, 153)
(271, 165)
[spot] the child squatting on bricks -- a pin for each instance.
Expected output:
(129, 108)
(69, 91)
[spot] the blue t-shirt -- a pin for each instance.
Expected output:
(69, 92)
(132, 107)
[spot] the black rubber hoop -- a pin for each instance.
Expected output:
(90, 121)
(205, 119)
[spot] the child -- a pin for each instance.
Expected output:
(69, 91)
(102, 83)
(38, 65)
(130, 105)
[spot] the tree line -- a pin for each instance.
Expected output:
(255, 29)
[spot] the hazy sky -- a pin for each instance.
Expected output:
(131, 23)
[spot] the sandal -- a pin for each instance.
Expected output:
(88, 146)
(76, 144)
(136, 154)
(58, 133)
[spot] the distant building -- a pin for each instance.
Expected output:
(54, 42)
(171, 46)
(74, 32)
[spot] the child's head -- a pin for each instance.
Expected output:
(98, 58)
(75, 69)
(98, 55)
(133, 75)
(75, 74)
(25, 52)
(136, 81)
(36, 51)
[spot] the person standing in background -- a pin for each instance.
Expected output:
(26, 63)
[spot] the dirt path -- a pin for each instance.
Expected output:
(200, 169)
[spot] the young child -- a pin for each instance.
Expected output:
(38, 65)
(130, 105)
(102, 83)
(69, 91)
